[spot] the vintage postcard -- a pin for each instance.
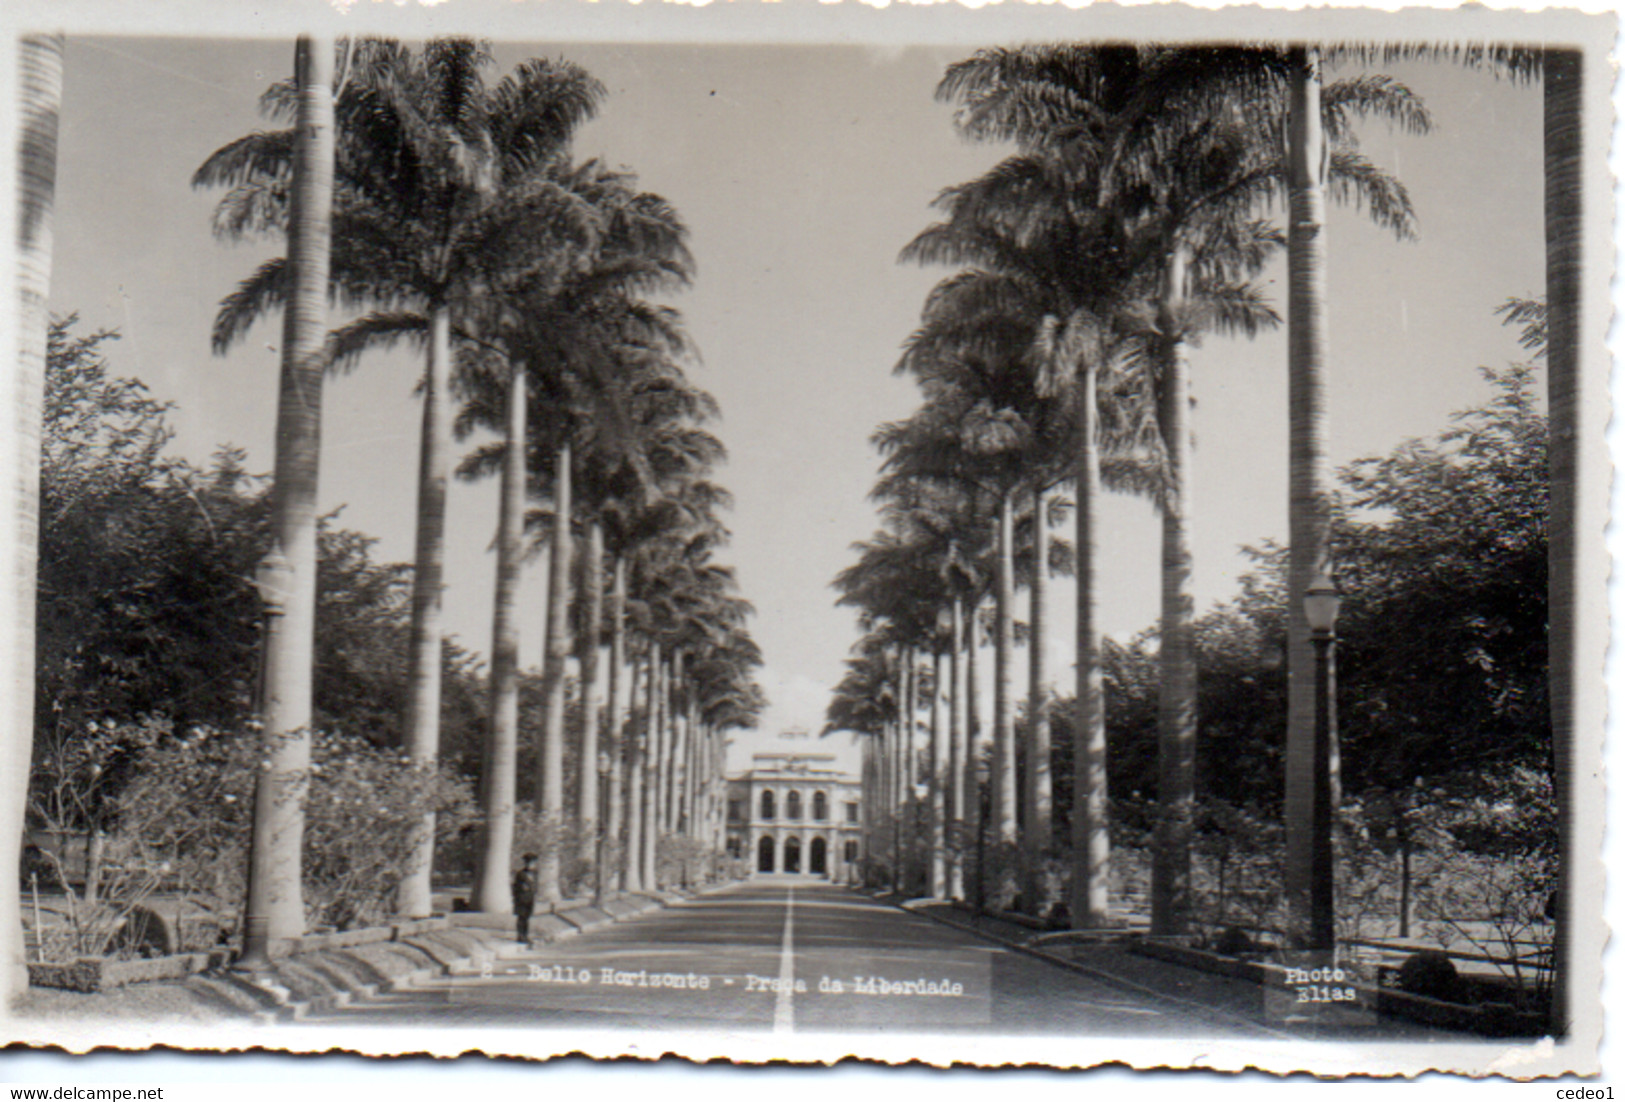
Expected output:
(1017, 535)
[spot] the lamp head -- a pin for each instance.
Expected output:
(1320, 604)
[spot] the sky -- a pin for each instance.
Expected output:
(801, 172)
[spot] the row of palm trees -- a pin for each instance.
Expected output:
(458, 220)
(1127, 223)
(1130, 220)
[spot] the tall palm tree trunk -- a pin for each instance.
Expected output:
(692, 769)
(592, 590)
(899, 766)
(697, 824)
(674, 745)
(40, 67)
(276, 908)
(716, 827)
(632, 855)
(616, 811)
(656, 766)
(1309, 505)
(866, 778)
(705, 780)
(550, 805)
(939, 770)
(957, 690)
(1091, 842)
(1035, 837)
(911, 767)
(1004, 733)
(887, 824)
(1176, 696)
(428, 583)
(975, 812)
(667, 744)
(699, 827)
(1564, 213)
(651, 773)
(500, 776)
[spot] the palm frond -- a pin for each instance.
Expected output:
(255, 296)
(380, 330)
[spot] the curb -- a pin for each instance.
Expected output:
(1095, 974)
(282, 1007)
(279, 1005)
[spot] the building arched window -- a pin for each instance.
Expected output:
(767, 803)
(820, 806)
(792, 805)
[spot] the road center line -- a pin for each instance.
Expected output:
(784, 1011)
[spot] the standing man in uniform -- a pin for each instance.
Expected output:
(524, 896)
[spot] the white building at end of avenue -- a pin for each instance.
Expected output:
(796, 813)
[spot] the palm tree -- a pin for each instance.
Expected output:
(442, 189)
(866, 700)
(1562, 74)
(556, 649)
(40, 65)
(725, 697)
(589, 645)
(631, 871)
(287, 577)
(1318, 137)
(1563, 71)
(863, 702)
(1211, 255)
(499, 775)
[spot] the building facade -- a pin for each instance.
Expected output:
(796, 813)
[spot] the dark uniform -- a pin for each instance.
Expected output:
(524, 896)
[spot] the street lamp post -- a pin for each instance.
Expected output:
(1320, 605)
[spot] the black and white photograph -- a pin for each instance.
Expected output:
(1022, 535)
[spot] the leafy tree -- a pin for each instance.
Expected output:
(144, 604)
(147, 609)
(1441, 546)
(1443, 649)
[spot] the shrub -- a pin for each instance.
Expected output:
(190, 807)
(1430, 973)
(1234, 942)
(679, 861)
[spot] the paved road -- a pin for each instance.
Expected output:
(789, 955)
